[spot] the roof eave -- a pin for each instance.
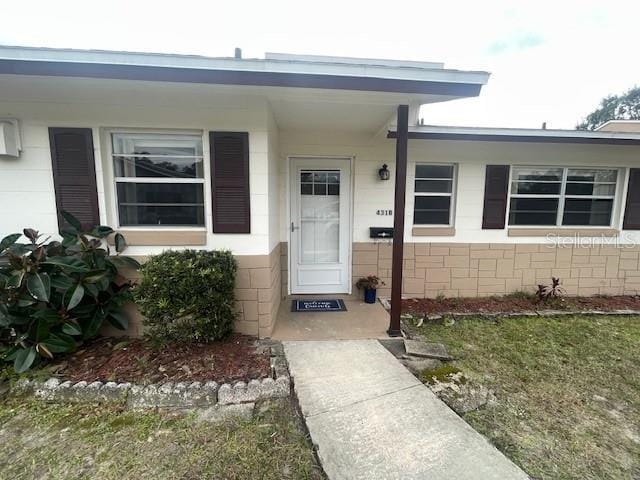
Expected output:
(237, 77)
(522, 138)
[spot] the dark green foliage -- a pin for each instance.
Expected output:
(188, 295)
(614, 107)
(55, 294)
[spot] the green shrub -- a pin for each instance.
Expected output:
(188, 295)
(55, 294)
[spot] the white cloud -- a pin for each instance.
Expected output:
(550, 60)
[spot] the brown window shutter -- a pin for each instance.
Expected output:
(230, 182)
(632, 208)
(74, 175)
(496, 187)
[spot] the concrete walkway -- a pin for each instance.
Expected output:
(372, 419)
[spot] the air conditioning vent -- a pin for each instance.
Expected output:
(10, 145)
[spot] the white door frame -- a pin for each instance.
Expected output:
(292, 190)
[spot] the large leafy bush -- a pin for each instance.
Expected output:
(188, 295)
(55, 294)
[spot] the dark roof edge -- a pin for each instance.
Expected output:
(518, 138)
(235, 77)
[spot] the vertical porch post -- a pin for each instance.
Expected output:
(398, 220)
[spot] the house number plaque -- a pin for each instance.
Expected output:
(384, 213)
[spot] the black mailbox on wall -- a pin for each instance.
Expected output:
(380, 232)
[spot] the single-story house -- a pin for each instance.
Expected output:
(285, 161)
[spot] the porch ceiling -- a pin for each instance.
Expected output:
(293, 109)
(324, 116)
(343, 111)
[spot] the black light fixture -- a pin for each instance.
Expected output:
(384, 173)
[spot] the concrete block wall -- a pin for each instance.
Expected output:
(474, 269)
(284, 269)
(258, 292)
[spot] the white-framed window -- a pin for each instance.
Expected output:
(159, 179)
(562, 196)
(434, 194)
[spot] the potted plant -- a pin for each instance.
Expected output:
(369, 284)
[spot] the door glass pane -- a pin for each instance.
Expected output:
(319, 217)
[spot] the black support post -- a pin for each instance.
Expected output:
(398, 220)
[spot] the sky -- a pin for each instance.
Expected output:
(550, 61)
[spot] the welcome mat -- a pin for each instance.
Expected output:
(318, 306)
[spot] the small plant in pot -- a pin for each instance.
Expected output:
(369, 284)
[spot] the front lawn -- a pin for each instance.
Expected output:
(40, 440)
(567, 389)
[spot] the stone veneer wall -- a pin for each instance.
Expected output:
(284, 269)
(474, 269)
(257, 293)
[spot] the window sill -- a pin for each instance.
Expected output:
(163, 238)
(562, 232)
(433, 231)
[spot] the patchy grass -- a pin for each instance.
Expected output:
(39, 440)
(568, 391)
(444, 373)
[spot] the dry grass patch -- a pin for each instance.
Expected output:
(39, 440)
(568, 391)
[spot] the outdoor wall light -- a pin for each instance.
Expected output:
(384, 172)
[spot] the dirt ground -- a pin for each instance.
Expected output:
(139, 361)
(517, 303)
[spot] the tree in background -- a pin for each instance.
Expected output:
(614, 107)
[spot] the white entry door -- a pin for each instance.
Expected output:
(320, 230)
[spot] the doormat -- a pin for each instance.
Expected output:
(318, 306)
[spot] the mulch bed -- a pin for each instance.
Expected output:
(508, 303)
(137, 361)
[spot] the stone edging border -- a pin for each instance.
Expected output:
(165, 395)
(527, 313)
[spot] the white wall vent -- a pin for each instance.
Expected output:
(10, 144)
